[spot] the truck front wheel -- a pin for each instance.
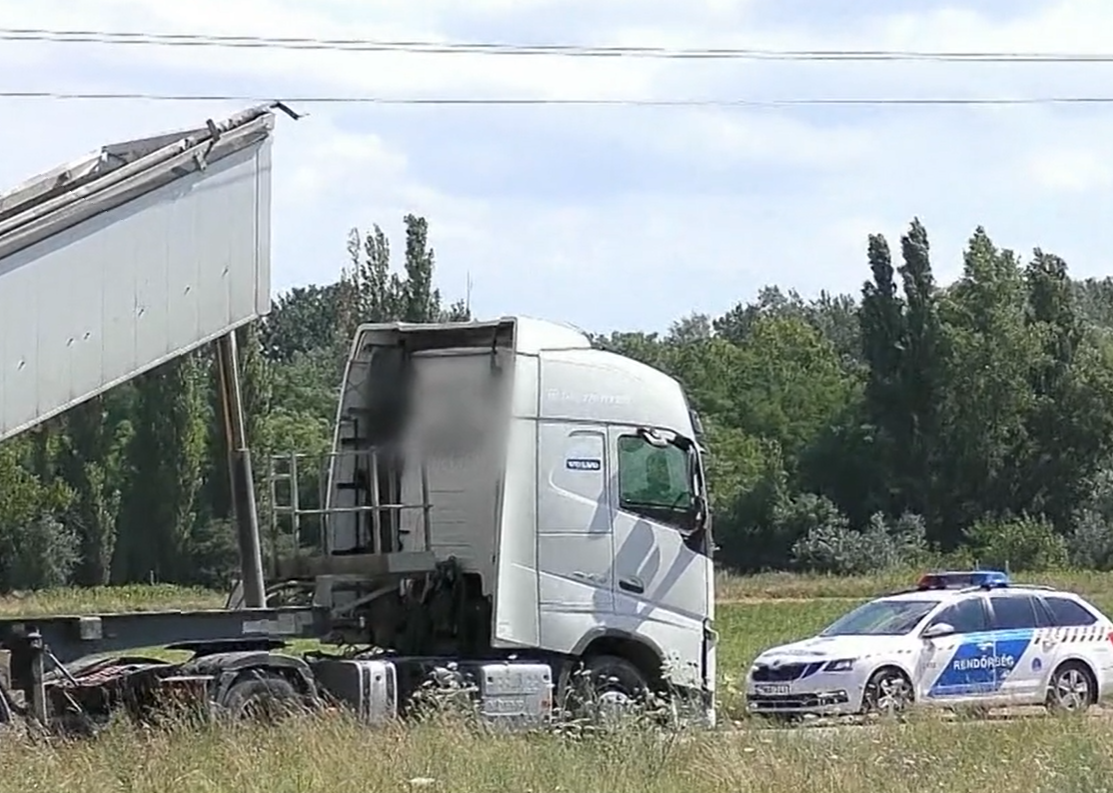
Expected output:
(606, 688)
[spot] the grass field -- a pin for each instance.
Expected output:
(1030, 755)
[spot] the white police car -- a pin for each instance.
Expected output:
(958, 639)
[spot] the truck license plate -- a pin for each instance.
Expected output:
(772, 690)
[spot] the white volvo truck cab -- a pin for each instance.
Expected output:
(504, 492)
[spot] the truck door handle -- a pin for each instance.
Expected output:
(985, 646)
(631, 585)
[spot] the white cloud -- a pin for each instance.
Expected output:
(333, 72)
(766, 136)
(612, 217)
(329, 156)
(1071, 170)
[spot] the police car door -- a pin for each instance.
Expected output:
(1019, 660)
(958, 665)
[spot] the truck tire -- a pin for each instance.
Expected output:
(606, 687)
(261, 696)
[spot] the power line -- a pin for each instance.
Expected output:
(505, 48)
(542, 101)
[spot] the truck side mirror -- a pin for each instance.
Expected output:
(699, 506)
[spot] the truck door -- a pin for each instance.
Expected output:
(660, 583)
(573, 525)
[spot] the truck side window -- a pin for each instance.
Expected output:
(654, 481)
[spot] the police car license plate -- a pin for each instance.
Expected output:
(771, 689)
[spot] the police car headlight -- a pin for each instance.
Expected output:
(840, 665)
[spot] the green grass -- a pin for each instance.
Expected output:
(729, 588)
(1031, 756)
(754, 612)
(794, 586)
(74, 600)
(1034, 755)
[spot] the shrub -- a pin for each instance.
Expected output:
(834, 547)
(1090, 543)
(43, 555)
(909, 535)
(1023, 544)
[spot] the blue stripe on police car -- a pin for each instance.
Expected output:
(981, 663)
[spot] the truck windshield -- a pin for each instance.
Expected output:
(881, 618)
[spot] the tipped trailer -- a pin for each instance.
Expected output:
(503, 506)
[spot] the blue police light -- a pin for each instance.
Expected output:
(959, 580)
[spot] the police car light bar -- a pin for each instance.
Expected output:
(960, 580)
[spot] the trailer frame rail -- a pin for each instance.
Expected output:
(32, 641)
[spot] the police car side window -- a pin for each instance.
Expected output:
(966, 616)
(1016, 612)
(1068, 613)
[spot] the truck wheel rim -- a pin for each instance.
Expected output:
(614, 704)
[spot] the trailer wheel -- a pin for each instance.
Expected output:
(261, 696)
(7, 713)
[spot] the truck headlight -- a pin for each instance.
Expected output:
(840, 665)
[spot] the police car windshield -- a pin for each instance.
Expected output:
(881, 618)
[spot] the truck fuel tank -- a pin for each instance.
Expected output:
(511, 693)
(369, 686)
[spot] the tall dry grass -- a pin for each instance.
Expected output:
(334, 754)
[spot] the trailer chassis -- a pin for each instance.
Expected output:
(42, 651)
(65, 683)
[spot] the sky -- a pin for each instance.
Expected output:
(614, 217)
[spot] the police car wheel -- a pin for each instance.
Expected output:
(888, 693)
(1071, 689)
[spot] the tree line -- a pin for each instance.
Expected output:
(912, 423)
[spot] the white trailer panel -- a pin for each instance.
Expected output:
(119, 262)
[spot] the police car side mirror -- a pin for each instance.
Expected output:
(937, 630)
